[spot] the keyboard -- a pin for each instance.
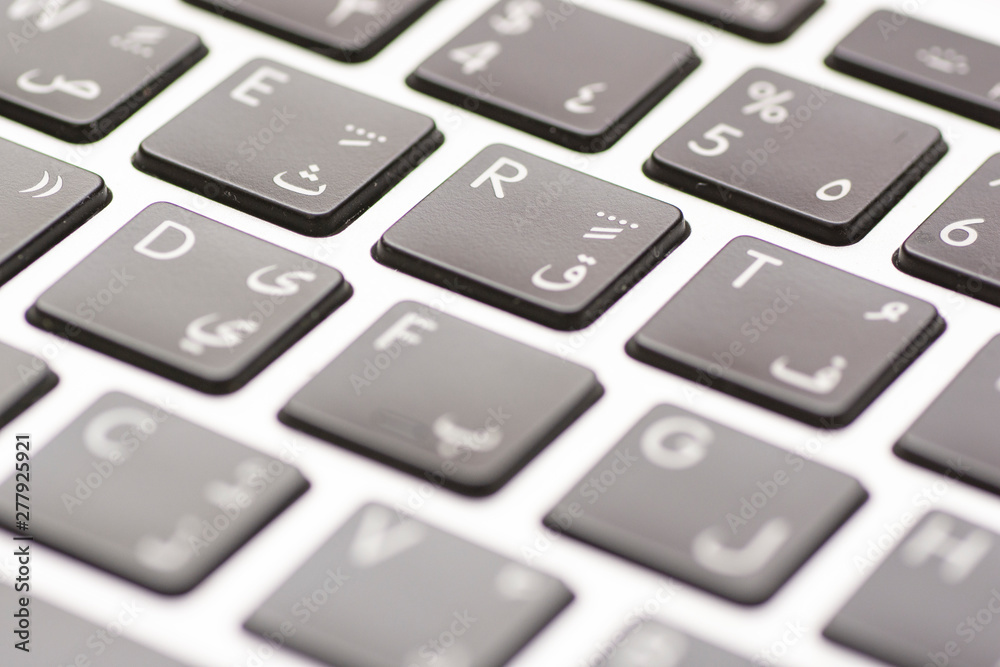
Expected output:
(472, 333)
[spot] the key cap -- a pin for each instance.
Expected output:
(958, 246)
(654, 644)
(290, 148)
(140, 492)
(44, 200)
(558, 71)
(753, 513)
(439, 397)
(348, 30)
(932, 599)
(23, 380)
(933, 64)
(766, 21)
(77, 69)
(398, 591)
(957, 433)
(787, 332)
(548, 243)
(799, 157)
(190, 298)
(56, 637)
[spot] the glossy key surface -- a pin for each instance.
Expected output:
(289, 147)
(957, 434)
(77, 69)
(787, 332)
(190, 298)
(653, 644)
(798, 156)
(958, 246)
(23, 380)
(121, 492)
(447, 400)
(738, 516)
(533, 237)
(348, 30)
(556, 70)
(42, 200)
(926, 61)
(932, 601)
(57, 637)
(399, 591)
(761, 20)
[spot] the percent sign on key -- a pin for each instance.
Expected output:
(768, 102)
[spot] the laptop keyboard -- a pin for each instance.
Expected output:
(464, 333)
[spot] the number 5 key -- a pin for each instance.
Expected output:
(799, 157)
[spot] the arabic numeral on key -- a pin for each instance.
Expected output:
(475, 58)
(834, 190)
(717, 135)
(961, 234)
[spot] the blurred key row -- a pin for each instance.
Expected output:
(737, 518)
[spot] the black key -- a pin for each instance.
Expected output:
(190, 298)
(752, 515)
(290, 148)
(553, 69)
(23, 380)
(348, 30)
(78, 68)
(44, 200)
(653, 644)
(396, 591)
(766, 21)
(440, 397)
(797, 156)
(788, 332)
(933, 64)
(56, 637)
(957, 435)
(549, 243)
(140, 492)
(958, 246)
(931, 602)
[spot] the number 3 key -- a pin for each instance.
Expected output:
(799, 157)
(958, 246)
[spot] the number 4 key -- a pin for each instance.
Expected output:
(958, 246)
(551, 68)
(799, 157)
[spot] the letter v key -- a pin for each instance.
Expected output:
(376, 541)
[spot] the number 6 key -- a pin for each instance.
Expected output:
(799, 157)
(958, 246)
